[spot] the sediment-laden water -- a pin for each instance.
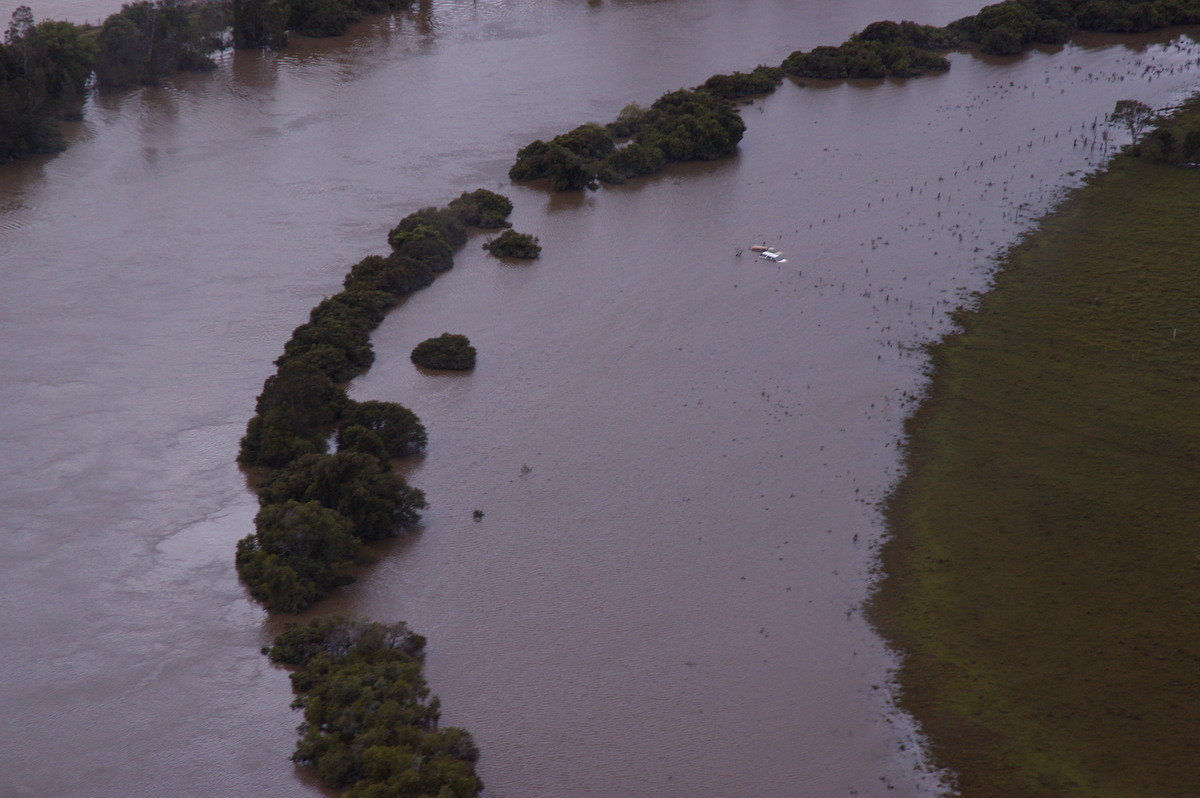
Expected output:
(676, 448)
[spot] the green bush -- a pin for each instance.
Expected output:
(762, 80)
(447, 351)
(298, 407)
(632, 119)
(564, 169)
(511, 244)
(398, 428)
(482, 208)
(370, 725)
(359, 308)
(424, 244)
(443, 220)
(590, 142)
(693, 126)
(393, 275)
(632, 160)
(330, 337)
(376, 500)
(882, 49)
(297, 553)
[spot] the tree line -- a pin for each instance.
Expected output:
(370, 726)
(319, 509)
(702, 123)
(46, 67)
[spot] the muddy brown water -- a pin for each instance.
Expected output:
(676, 448)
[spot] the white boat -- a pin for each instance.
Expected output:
(773, 255)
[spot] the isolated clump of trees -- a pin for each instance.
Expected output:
(684, 125)
(447, 351)
(370, 725)
(320, 508)
(511, 244)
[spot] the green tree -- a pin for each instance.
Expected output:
(443, 220)
(1135, 115)
(378, 502)
(393, 275)
(298, 407)
(447, 351)
(482, 208)
(298, 552)
(398, 428)
(146, 41)
(423, 243)
(511, 244)
(339, 333)
(260, 24)
(43, 74)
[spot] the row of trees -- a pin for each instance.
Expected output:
(45, 68)
(882, 49)
(906, 49)
(370, 725)
(684, 125)
(701, 123)
(319, 509)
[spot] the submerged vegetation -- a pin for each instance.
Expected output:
(370, 725)
(1034, 556)
(45, 68)
(680, 126)
(1042, 574)
(447, 351)
(319, 508)
(511, 244)
(702, 124)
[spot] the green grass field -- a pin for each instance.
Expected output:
(1043, 575)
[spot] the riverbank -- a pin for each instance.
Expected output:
(1043, 573)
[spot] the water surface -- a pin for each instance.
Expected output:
(676, 448)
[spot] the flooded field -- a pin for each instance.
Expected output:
(677, 448)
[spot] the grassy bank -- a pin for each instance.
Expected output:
(1043, 574)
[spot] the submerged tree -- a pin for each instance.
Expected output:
(1135, 115)
(447, 351)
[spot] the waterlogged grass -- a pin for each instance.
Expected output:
(1043, 577)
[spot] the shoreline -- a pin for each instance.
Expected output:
(1040, 578)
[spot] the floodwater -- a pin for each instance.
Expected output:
(677, 449)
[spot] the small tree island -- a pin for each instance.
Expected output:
(447, 351)
(511, 244)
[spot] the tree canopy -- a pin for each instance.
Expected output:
(511, 244)
(447, 351)
(370, 724)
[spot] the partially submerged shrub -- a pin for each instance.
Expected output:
(447, 351)
(511, 244)
(482, 208)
